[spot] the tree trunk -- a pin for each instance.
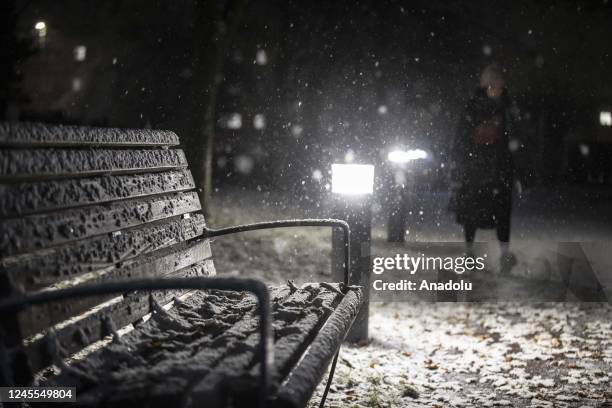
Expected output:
(215, 24)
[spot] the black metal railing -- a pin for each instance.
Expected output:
(264, 352)
(308, 222)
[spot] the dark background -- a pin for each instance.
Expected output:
(323, 78)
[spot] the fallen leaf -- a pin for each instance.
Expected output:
(410, 392)
(430, 364)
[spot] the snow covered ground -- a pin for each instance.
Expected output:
(447, 354)
(466, 355)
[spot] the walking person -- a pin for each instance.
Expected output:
(482, 163)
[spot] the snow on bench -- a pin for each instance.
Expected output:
(102, 244)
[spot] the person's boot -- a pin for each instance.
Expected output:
(507, 260)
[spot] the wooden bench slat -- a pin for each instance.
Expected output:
(229, 316)
(78, 334)
(300, 384)
(36, 197)
(160, 263)
(38, 134)
(47, 163)
(34, 232)
(295, 320)
(34, 271)
(292, 337)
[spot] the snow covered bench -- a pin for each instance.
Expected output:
(106, 282)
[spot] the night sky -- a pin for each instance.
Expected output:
(317, 79)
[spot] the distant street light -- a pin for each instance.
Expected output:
(80, 53)
(405, 156)
(605, 118)
(352, 187)
(41, 31)
(261, 57)
(41, 28)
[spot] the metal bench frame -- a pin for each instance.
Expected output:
(265, 350)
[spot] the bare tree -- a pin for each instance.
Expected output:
(215, 25)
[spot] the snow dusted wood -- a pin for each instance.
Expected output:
(155, 364)
(296, 320)
(31, 197)
(157, 264)
(38, 134)
(36, 163)
(19, 235)
(90, 204)
(292, 335)
(34, 271)
(301, 382)
(202, 349)
(125, 310)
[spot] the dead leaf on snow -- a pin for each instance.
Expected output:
(430, 364)
(410, 392)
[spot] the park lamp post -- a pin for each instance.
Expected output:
(352, 188)
(41, 33)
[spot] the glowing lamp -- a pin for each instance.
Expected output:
(352, 179)
(405, 156)
(353, 185)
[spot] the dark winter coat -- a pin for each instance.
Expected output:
(483, 165)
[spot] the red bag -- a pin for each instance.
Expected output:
(488, 132)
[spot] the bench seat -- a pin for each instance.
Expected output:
(203, 349)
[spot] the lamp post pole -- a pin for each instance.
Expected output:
(352, 186)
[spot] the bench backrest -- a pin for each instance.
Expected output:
(81, 204)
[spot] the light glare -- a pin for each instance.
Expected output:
(261, 57)
(352, 179)
(404, 156)
(234, 121)
(259, 121)
(349, 157)
(605, 118)
(41, 29)
(80, 53)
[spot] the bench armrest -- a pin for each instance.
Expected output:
(259, 289)
(309, 222)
